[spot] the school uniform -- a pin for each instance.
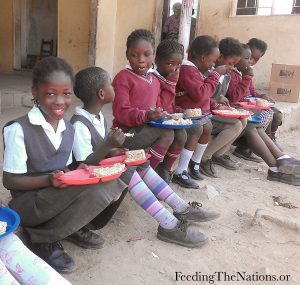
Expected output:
(50, 214)
(134, 96)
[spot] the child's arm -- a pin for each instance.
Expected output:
(238, 89)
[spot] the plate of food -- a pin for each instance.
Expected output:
(93, 174)
(9, 221)
(173, 124)
(233, 113)
(259, 104)
(130, 158)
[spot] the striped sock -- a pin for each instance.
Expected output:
(170, 157)
(146, 199)
(157, 155)
(162, 190)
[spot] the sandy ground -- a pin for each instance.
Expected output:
(235, 245)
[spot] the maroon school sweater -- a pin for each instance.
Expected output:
(167, 94)
(240, 87)
(194, 90)
(135, 95)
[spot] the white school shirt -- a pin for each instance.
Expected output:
(83, 141)
(15, 156)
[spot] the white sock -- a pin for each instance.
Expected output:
(198, 153)
(274, 169)
(184, 159)
(284, 156)
(177, 203)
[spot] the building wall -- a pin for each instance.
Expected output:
(73, 31)
(281, 32)
(6, 36)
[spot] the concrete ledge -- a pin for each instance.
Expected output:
(291, 116)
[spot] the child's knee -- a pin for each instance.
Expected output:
(167, 136)
(277, 118)
(207, 129)
(180, 137)
(238, 126)
(244, 123)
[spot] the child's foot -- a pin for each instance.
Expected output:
(55, 255)
(289, 165)
(247, 154)
(194, 213)
(207, 168)
(183, 234)
(194, 170)
(225, 161)
(290, 179)
(86, 239)
(184, 180)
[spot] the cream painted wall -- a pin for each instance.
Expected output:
(6, 36)
(73, 32)
(280, 32)
(131, 15)
(105, 38)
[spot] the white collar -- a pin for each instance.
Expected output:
(36, 117)
(91, 117)
(189, 63)
(150, 70)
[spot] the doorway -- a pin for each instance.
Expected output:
(35, 31)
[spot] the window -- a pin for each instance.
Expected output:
(267, 7)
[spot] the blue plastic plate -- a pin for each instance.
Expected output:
(159, 124)
(12, 219)
(254, 119)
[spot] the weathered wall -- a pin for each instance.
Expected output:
(73, 31)
(131, 15)
(41, 23)
(280, 32)
(6, 36)
(105, 37)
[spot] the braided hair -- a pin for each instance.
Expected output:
(88, 82)
(230, 47)
(168, 47)
(202, 45)
(140, 34)
(48, 65)
(259, 44)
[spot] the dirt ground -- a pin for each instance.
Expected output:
(235, 245)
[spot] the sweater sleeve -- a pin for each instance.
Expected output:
(198, 88)
(123, 112)
(253, 91)
(238, 89)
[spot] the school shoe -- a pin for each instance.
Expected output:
(194, 213)
(55, 255)
(86, 239)
(247, 154)
(183, 179)
(184, 234)
(207, 168)
(195, 173)
(164, 174)
(289, 165)
(290, 179)
(225, 161)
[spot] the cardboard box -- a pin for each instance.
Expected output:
(285, 73)
(283, 92)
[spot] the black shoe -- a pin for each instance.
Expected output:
(164, 174)
(55, 256)
(207, 168)
(289, 165)
(290, 179)
(86, 239)
(225, 161)
(195, 173)
(247, 154)
(184, 180)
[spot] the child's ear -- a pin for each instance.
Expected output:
(101, 94)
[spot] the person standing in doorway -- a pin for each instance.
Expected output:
(171, 26)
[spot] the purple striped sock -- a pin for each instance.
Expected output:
(146, 199)
(162, 190)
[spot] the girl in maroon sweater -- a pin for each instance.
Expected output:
(195, 91)
(136, 103)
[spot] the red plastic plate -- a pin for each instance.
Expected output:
(121, 159)
(252, 105)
